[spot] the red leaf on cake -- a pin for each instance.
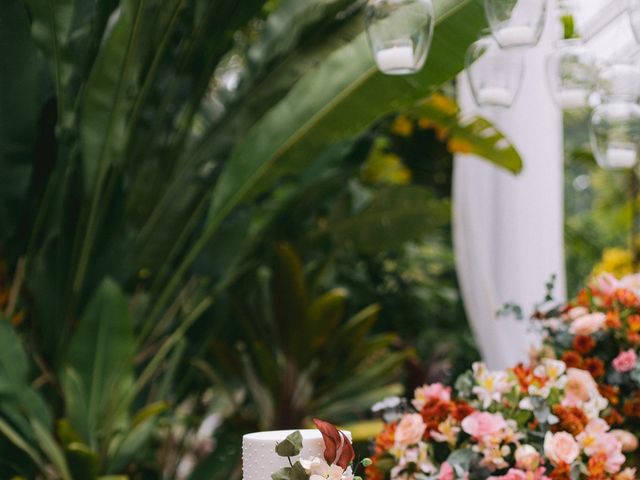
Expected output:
(332, 439)
(347, 455)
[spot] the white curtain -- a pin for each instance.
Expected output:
(508, 230)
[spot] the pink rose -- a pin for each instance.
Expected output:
(580, 387)
(527, 457)
(606, 284)
(625, 361)
(483, 424)
(515, 474)
(577, 312)
(628, 440)
(613, 450)
(588, 324)
(561, 448)
(446, 472)
(427, 392)
(410, 430)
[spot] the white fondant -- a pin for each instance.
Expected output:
(259, 458)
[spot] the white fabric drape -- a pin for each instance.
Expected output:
(508, 230)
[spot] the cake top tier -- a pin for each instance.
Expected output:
(259, 459)
(279, 435)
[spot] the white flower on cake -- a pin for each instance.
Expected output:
(319, 469)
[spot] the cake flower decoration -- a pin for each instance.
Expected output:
(336, 464)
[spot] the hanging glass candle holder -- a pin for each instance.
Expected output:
(516, 23)
(634, 17)
(400, 34)
(495, 75)
(615, 124)
(572, 74)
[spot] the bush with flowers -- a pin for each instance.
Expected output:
(540, 423)
(599, 331)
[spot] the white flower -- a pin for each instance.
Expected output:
(490, 385)
(319, 469)
(414, 455)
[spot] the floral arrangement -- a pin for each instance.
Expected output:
(599, 331)
(526, 423)
(336, 464)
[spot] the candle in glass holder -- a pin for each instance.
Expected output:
(573, 98)
(516, 36)
(621, 157)
(398, 59)
(494, 96)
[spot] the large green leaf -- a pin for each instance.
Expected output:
(106, 99)
(16, 394)
(335, 101)
(474, 135)
(50, 28)
(99, 363)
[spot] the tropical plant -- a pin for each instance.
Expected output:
(135, 137)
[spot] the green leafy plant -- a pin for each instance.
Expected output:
(135, 137)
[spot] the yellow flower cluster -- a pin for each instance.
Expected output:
(616, 261)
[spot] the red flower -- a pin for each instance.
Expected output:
(584, 343)
(572, 359)
(595, 367)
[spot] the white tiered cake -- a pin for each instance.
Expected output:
(259, 458)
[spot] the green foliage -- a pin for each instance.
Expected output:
(301, 355)
(598, 208)
(152, 152)
(290, 446)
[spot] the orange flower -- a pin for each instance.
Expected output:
(596, 466)
(626, 297)
(633, 337)
(561, 472)
(634, 323)
(584, 343)
(610, 392)
(373, 472)
(572, 359)
(632, 406)
(386, 440)
(584, 298)
(613, 319)
(570, 419)
(614, 418)
(595, 367)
